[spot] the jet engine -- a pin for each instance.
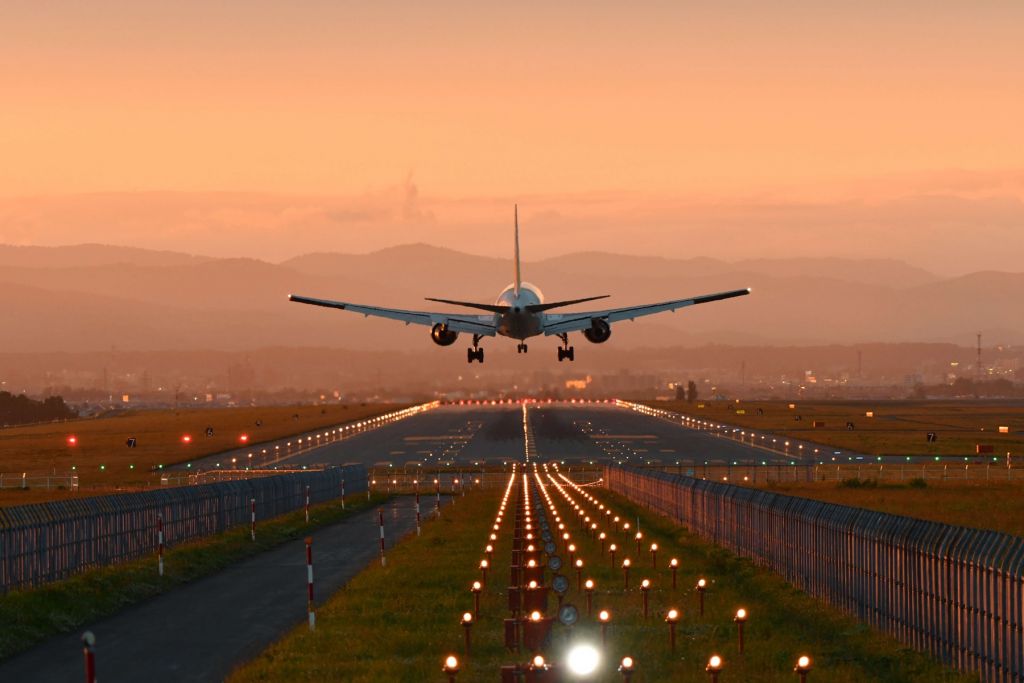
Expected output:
(598, 332)
(442, 336)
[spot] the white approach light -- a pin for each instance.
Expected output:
(583, 660)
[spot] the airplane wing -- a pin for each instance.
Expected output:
(475, 324)
(573, 322)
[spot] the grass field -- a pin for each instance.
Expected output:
(398, 623)
(998, 507)
(897, 428)
(102, 459)
(32, 615)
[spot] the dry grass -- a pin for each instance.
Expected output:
(897, 428)
(104, 463)
(998, 507)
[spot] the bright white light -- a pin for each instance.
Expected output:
(583, 660)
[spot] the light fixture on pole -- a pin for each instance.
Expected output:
(645, 586)
(467, 625)
(604, 616)
(672, 618)
(701, 587)
(625, 571)
(674, 565)
(714, 667)
(451, 667)
(626, 668)
(740, 619)
(475, 589)
(803, 667)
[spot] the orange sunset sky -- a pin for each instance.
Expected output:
(727, 129)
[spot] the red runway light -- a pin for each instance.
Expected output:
(186, 438)
(244, 438)
(72, 440)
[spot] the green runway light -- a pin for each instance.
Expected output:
(102, 467)
(131, 467)
(936, 458)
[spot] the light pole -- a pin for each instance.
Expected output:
(589, 587)
(475, 589)
(674, 565)
(451, 667)
(604, 616)
(467, 625)
(626, 668)
(654, 556)
(611, 551)
(701, 587)
(740, 619)
(672, 618)
(714, 667)
(803, 667)
(645, 586)
(625, 571)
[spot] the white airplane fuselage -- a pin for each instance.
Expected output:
(519, 322)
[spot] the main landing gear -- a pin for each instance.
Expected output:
(565, 351)
(521, 347)
(475, 352)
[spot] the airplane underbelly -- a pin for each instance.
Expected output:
(519, 325)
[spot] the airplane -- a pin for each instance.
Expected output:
(519, 312)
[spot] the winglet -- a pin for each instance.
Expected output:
(518, 278)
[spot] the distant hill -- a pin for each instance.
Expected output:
(94, 297)
(81, 255)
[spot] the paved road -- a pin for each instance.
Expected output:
(201, 631)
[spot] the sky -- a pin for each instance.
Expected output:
(727, 129)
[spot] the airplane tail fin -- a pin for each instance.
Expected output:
(518, 278)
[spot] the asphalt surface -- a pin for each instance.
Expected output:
(202, 630)
(468, 435)
(599, 434)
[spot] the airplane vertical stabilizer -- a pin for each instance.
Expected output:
(518, 278)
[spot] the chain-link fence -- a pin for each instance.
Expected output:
(954, 592)
(49, 541)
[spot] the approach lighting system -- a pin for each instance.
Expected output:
(583, 659)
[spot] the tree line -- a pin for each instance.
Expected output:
(20, 409)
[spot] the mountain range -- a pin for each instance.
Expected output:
(97, 297)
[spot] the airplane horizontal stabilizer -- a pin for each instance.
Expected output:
(493, 308)
(537, 308)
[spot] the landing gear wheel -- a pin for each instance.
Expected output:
(473, 354)
(521, 348)
(566, 351)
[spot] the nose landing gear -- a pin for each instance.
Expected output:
(521, 347)
(566, 352)
(475, 352)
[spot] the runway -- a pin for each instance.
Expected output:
(494, 434)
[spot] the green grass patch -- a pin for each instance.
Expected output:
(397, 623)
(30, 616)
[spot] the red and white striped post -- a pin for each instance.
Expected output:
(160, 543)
(307, 503)
(380, 517)
(309, 590)
(88, 641)
(252, 528)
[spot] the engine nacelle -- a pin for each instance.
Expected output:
(598, 332)
(442, 336)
